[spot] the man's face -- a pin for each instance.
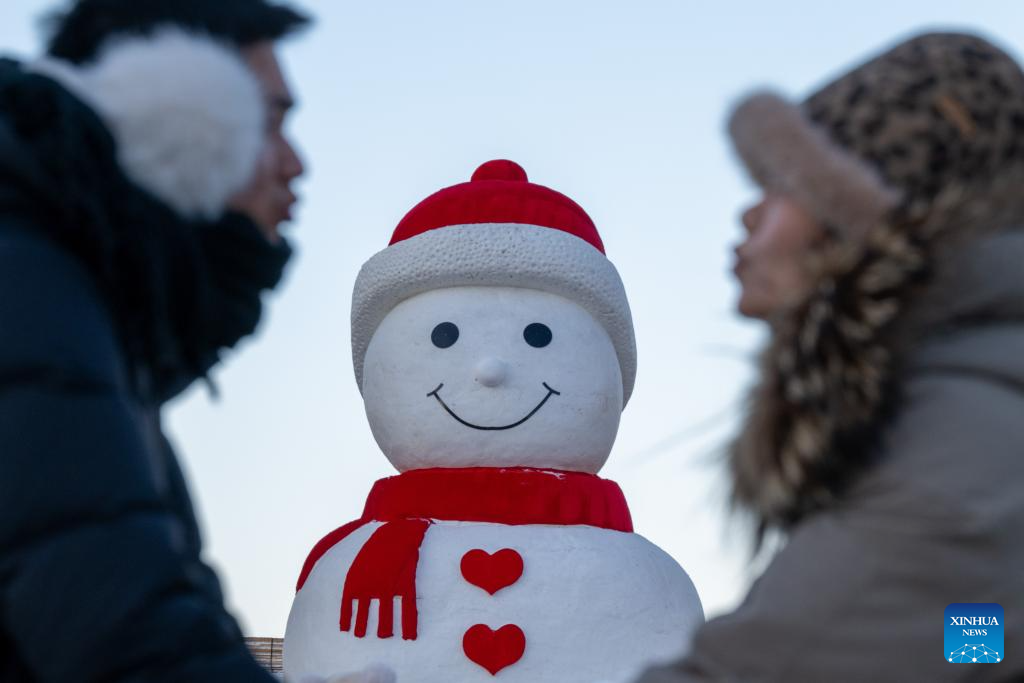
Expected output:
(268, 198)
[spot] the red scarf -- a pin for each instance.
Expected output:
(385, 567)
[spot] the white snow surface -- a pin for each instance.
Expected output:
(491, 377)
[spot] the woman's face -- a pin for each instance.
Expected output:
(772, 262)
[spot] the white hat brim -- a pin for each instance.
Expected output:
(495, 254)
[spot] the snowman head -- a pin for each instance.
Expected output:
(494, 332)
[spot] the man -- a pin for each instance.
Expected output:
(254, 27)
(234, 253)
(113, 298)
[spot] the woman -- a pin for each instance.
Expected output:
(885, 439)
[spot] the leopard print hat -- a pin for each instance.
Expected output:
(936, 110)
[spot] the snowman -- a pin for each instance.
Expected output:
(493, 345)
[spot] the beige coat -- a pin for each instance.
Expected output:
(858, 592)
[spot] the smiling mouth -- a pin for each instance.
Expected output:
(436, 394)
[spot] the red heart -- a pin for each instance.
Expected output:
(492, 572)
(494, 650)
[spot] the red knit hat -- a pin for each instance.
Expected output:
(499, 192)
(499, 229)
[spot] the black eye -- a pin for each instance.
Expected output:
(444, 335)
(537, 335)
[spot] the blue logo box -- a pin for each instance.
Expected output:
(974, 633)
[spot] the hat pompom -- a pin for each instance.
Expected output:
(500, 169)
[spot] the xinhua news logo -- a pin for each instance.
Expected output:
(974, 633)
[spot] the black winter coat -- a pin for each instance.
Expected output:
(109, 305)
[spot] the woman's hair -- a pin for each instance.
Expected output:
(78, 33)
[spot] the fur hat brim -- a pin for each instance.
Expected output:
(785, 152)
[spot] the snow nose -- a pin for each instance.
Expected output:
(491, 372)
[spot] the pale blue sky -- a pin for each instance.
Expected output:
(618, 104)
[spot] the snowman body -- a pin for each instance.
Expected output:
(493, 345)
(593, 606)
